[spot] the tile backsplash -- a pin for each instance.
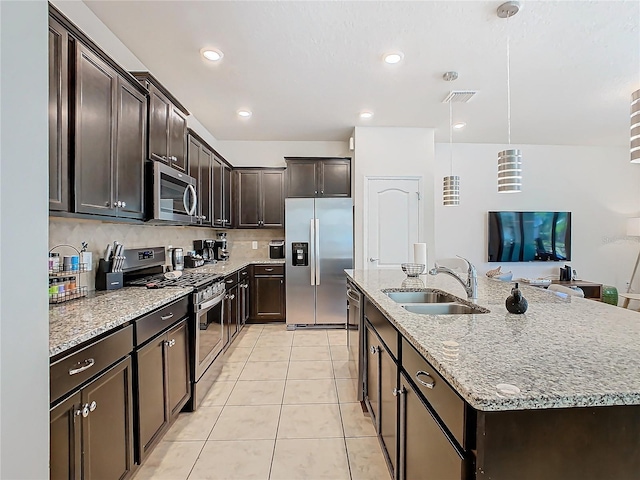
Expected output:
(98, 234)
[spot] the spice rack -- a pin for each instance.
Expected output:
(65, 279)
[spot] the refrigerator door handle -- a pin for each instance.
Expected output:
(317, 252)
(312, 260)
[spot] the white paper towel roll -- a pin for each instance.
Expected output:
(420, 253)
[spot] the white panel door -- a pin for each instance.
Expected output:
(392, 221)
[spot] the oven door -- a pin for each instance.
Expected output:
(174, 194)
(209, 333)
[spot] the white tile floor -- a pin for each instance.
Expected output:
(284, 407)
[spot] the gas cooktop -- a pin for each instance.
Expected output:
(188, 279)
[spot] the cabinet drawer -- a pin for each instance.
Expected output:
(243, 274)
(268, 269)
(444, 400)
(231, 279)
(153, 323)
(383, 327)
(68, 373)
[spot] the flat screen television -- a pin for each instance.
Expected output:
(529, 236)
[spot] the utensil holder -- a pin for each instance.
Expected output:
(106, 280)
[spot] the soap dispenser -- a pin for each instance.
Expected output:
(516, 303)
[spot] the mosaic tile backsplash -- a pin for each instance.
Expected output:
(98, 233)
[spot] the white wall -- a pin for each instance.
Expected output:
(597, 184)
(393, 151)
(24, 320)
(271, 154)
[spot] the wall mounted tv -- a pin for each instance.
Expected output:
(529, 236)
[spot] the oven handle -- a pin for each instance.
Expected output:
(210, 303)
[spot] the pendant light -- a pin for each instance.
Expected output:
(450, 183)
(635, 127)
(510, 160)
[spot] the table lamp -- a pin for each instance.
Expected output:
(633, 230)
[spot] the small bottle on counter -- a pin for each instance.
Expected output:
(53, 287)
(54, 262)
(72, 284)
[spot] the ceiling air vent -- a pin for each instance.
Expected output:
(459, 96)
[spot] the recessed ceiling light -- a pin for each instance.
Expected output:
(459, 125)
(244, 113)
(366, 115)
(393, 58)
(211, 54)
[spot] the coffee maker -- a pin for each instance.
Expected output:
(220, 251)
(205, 248)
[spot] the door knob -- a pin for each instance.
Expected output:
(371, 259)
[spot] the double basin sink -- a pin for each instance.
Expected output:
(432, 302)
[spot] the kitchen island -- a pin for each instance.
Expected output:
(575, 408)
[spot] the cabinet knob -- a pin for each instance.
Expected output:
(373, 350)
(322, 192)
(107, 204)
(93, 406)
(124, 204)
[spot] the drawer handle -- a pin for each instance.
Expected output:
(426, 384)
(166, 317)
(84, 365)
(230, 281)
(268, 269)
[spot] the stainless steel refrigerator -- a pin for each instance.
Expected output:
(319, 243)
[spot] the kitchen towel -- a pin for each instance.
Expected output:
(420, 253)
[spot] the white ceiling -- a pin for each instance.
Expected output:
(306, 69)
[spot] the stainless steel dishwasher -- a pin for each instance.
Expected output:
(354, 327)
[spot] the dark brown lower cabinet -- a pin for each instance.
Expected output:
(92, 430)
(425, 450)
(267, 293)
(163, 385)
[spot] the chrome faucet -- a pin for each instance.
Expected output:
(471, 284)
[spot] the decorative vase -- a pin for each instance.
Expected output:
(516, 303)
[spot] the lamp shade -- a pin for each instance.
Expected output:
(635, 127)
(509, 171)
(633, 227)
(451, 191)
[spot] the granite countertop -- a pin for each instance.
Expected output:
(563, 352)
(75, 322)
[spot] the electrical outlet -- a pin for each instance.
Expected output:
(254, 245)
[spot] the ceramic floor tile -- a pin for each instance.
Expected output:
(267, 392)
(274, 341)
(218, 394)
(355, 422)
(270, 354)
(339, 352)
(345, 369)
(193, 425)
(366, 460)
(310, 421)
(258, 422)
(310, 391)
(300, 354)
(346, 390)
(313, 338)
(230, 371)
(234, 460)
(247, 341)
(337, 337)
(237, 354)
(170, 461)
(310, 370)
(264, 371)
(310, 459)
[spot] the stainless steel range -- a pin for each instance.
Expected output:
(143, 268)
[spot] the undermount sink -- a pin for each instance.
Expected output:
(426, 296)
(443, 309)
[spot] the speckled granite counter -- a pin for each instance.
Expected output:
(232, 265)
(562, 353)
(75, 322)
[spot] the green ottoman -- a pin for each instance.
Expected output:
(610, 295)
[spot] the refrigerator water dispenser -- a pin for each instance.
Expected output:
(300, 254)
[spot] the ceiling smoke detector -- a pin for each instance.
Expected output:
(459, 96)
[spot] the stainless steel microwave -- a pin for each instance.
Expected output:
(171, 195)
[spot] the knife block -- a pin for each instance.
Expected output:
(106, 280)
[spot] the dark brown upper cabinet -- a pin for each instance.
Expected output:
(110, 128)
(259, 197)
(318, 177)
(167, 124)
(221, 193)
(58, 116)
(200, 159)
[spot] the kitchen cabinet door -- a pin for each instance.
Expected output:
(249, 211)
(64, 439)
(272, 193)
(218, 205)
(95, 133)
(177, 151)
(159, 112)
(151, 381)
(58, 117)
(303, 179)
(194, 148)
(425, 451)
(226, 195)
(372, 377)
(388, 403)
(130, 151)
(206, 184)
(318, 177)
(107, 438)
(177, 366)
(267, 298)
(335, 178)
